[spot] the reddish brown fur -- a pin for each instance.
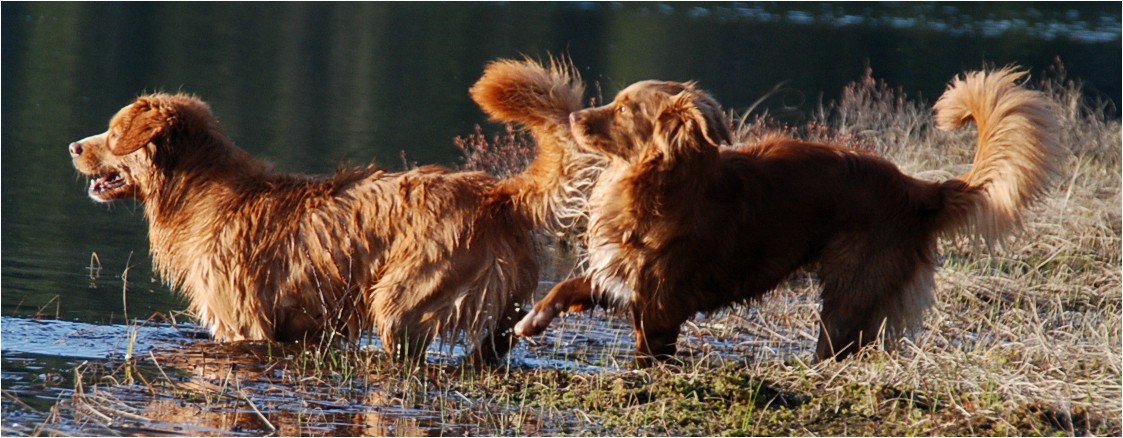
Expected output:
(680, 226)
(269, 256)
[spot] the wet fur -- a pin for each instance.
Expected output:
(263, 255)
(680, 225)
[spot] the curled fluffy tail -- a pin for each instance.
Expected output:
(552, 190)
(529, 93)
(1018, 151)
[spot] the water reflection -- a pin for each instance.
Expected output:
(181, 385)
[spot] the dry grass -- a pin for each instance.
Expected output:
(1025, 339)
(504, 156)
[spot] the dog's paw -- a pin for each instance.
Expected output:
(535, 322)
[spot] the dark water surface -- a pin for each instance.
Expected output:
(313, 85)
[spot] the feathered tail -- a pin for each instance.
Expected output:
(552, 191)
(1017, 156)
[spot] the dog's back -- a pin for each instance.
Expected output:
(871, 231)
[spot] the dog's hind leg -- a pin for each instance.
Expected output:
(402, 325)
(866, 296)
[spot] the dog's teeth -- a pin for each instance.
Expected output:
(99, 184)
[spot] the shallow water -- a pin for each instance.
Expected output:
(79, 340)
(40, 356)
(73, 378)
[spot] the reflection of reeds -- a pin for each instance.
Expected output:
(56, 300)
(1024, 340)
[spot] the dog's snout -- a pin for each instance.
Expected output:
(75, 149)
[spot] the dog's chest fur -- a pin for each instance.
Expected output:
(616, 253)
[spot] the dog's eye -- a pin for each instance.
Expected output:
(621, 110)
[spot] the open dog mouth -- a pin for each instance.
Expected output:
(106, 183)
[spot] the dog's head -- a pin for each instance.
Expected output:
(129, 159)
(670, 118)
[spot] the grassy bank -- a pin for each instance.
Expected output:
(1024, 339)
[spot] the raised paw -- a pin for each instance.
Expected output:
(535, 322)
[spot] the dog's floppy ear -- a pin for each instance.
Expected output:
(691, 120)
(716, 127)
(146, 119)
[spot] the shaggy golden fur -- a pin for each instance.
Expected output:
(554, 188)
(411, 255)
(680, 226)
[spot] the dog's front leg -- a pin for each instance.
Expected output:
(573, 295)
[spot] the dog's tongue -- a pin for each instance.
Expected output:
(100, 183)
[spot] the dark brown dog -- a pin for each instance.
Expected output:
(680, 226)
(411, 255)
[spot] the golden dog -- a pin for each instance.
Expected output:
(413, 255)
(679, 225)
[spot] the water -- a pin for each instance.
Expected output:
(312, 85)
(42, 360)
(39, 356)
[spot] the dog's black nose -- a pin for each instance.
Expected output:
(75, 149)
